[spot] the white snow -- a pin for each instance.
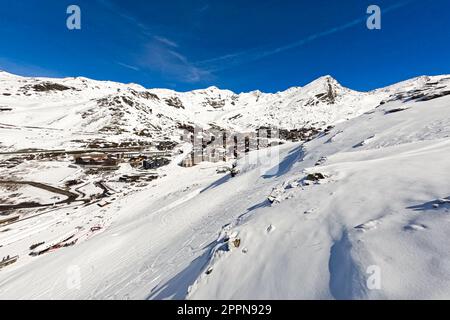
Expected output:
(384, 204)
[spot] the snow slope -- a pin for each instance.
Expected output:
(380, 206)
(384, 202)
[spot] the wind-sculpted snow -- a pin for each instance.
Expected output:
(383, 207)
(359, 212)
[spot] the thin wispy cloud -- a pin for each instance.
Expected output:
(160, 53)
(164, 59)
(202, 9)
(178, 55)
(166, 41)
(128, 66)
(238, 58)
(142, 27)
(164, 55)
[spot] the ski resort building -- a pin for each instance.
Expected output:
(215, 145)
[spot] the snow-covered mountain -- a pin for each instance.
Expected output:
(359, 212)
(80, 109)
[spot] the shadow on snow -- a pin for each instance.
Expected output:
(177, 287)
(431, 205)
(286, 164)
(217, 183)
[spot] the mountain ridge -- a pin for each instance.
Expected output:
(323, 77)
(120, 111)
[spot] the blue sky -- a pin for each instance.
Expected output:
(268, 45)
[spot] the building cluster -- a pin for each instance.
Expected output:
(97, 159)
(214, 145)
(144, 159)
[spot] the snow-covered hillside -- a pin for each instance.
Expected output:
(384, 203)
(77, 108)
(313, 220)
(67, 112)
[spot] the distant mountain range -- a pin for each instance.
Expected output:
(85, 110)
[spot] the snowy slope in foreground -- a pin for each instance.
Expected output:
(383, 203)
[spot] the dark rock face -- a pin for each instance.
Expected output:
(144, 94)
(49, 86)
(174, 102)
(328, 97)
(303, 134)
(127, 101)
(395, 110)
(435, 96)
(215, 103)
(430, 91)
(187, 127)
(315, 176)
(235, 117)
(321, 161)
(148, 96)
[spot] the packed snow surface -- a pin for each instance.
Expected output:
(360, 212)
